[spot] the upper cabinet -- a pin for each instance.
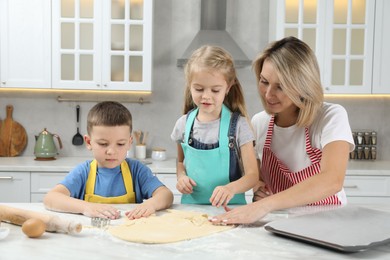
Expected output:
(25, 44)
(348, 37)
(381, 75)
(102, 45)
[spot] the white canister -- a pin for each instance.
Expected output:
(140, 151)
(159, 154)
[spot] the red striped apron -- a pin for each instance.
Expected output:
(279, 178)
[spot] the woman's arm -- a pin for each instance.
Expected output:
(324, 184)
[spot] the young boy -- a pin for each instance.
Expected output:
(111, 177)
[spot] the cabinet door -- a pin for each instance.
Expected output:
(341, 34)
(170, 181)
(14, 186)
(102, 45)
(381, 75)
(77, 44)
(25, 43)
(42, 182)
(127, 44)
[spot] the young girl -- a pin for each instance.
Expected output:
(207, 171)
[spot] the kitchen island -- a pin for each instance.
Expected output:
(243, 242)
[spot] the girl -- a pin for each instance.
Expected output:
(207, 171)
(303, 142)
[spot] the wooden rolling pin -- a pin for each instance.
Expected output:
(53, 223)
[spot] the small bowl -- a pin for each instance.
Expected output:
(159, 154)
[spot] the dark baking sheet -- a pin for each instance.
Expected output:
(348, 229)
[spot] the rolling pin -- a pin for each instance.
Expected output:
(53, 223)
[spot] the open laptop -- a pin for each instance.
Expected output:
(348, 229)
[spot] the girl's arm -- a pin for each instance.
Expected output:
(184, 183)
(223, 194)
(322, 185)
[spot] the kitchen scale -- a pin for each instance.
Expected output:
(348, 229)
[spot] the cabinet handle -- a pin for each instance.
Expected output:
(3, 82)
(6, 178)
(350, 187)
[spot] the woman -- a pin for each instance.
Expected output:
(302, 144)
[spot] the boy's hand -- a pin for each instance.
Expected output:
(141, 210)
(221, 196)
(185, 184)
(101, 211)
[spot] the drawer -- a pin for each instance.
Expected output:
(367, 186)
(14, 186)
(44, 181)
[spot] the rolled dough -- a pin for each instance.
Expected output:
(173, 226)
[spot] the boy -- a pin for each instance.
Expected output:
(111, 177)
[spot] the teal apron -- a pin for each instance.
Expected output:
(208, 168)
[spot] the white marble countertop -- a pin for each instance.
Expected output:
(243, 242)
(65, 164)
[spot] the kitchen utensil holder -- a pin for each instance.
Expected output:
(365, 145)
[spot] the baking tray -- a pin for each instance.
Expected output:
(347, 229)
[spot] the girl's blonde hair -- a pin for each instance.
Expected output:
(299, 75)
(214, 58)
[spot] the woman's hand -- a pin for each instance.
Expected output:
(185, 184)
(241, 215)
(261, 193)
(221, 196)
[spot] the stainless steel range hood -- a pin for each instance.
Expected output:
(213, 32)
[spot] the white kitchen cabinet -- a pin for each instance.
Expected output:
(340, 32)
(381, 75)
(169, 180)
(42, 182)
(25, 43)
(14, 186)
(102, 45)
(372, 188)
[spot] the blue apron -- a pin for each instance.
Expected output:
(208, 168)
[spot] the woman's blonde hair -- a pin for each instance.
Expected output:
(214, 58)
(299, 75)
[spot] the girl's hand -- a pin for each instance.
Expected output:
(185, 184)
(221, 196)
(261, 193)
(101, 211)
(141, 210)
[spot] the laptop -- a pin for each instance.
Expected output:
(348, 229)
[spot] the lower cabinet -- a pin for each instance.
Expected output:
(42, 182)
(367, 189)
(15, 187)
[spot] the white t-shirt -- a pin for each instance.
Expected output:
(288, 143)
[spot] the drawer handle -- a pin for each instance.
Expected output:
(351, 187)
(6, 178)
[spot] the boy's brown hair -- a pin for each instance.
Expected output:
(109, 113)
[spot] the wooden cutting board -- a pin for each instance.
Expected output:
(13, 137)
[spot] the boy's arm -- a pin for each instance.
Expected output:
(58, 199)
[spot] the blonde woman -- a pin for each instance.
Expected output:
(302, 143)
(214, 133)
